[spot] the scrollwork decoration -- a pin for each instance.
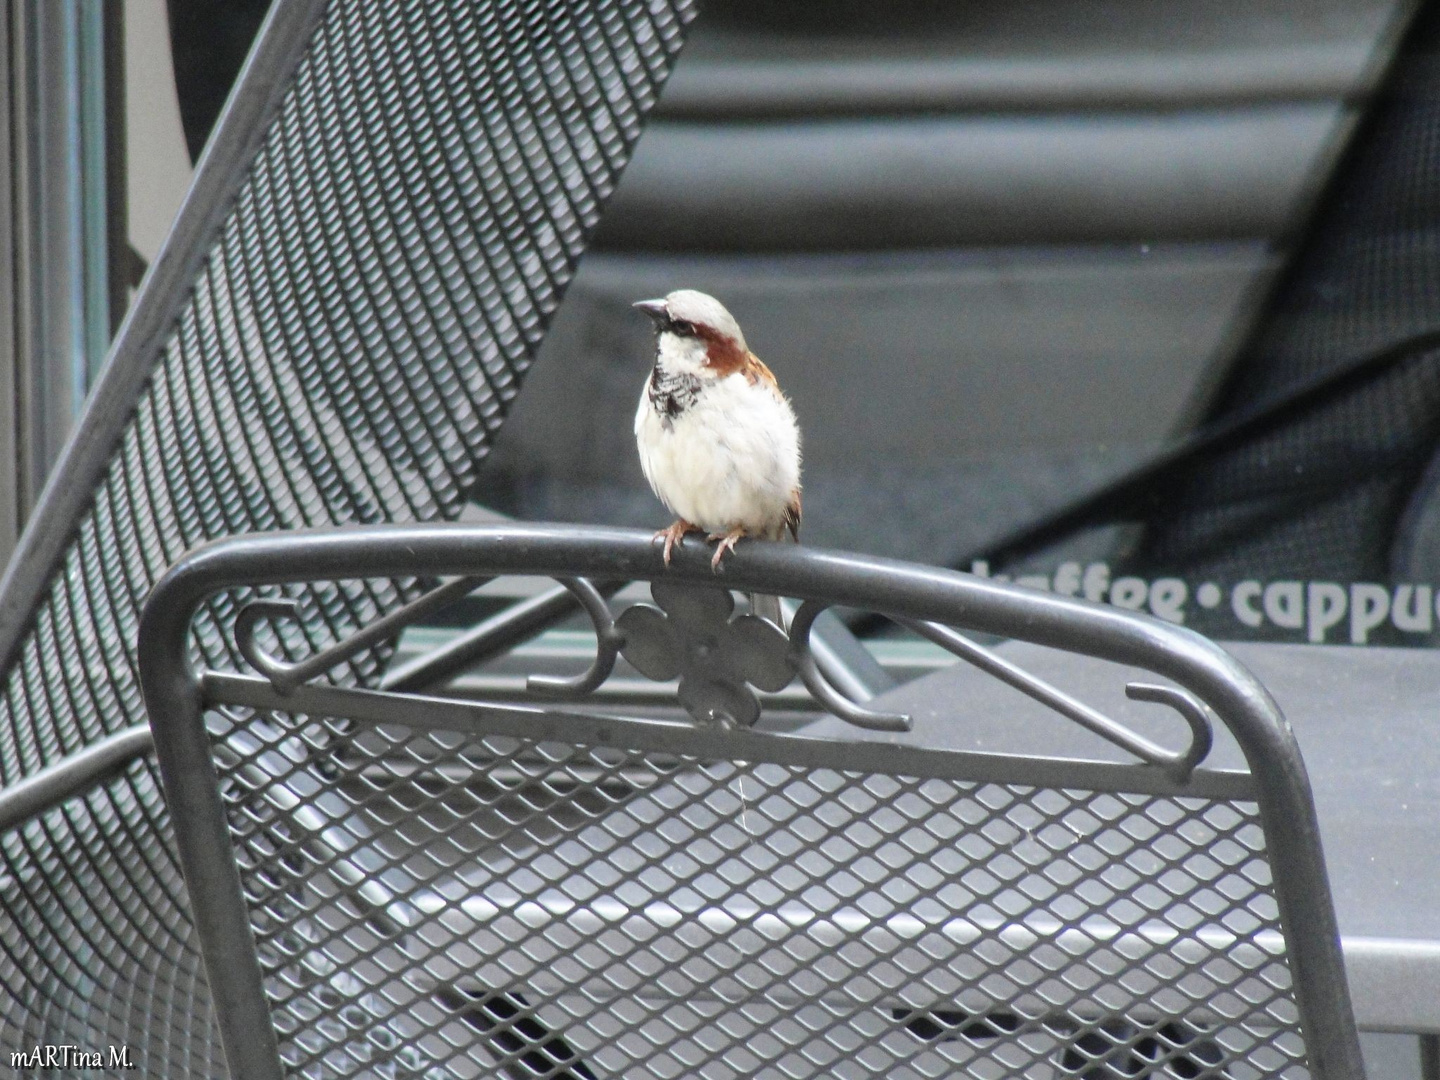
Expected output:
(1179, 765)
(691, 637)
(285, 676)
(607, 647)
(822, 691)
(719, 661)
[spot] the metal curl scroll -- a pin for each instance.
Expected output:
(822, 691)
(755, 659)
(607, 647)
(285, 676)
(1177, 765)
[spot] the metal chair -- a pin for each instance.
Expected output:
(394, 883)
(378, 233)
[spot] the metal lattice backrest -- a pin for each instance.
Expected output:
(436, 887)
(378, 234)
(465, 903)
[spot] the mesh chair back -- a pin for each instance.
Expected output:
(378, 233)
(599, 910)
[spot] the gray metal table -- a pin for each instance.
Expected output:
(1368, 724)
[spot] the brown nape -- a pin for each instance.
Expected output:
(722, 355)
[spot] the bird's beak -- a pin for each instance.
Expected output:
(656, 309)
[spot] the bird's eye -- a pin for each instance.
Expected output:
(683, 328)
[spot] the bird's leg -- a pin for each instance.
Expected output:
(727, 543)
(673, 535)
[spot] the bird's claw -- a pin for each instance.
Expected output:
(727, 543)
(673, 534)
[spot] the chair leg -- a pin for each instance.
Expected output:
(1430, 1057)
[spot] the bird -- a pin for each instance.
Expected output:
(718, 439)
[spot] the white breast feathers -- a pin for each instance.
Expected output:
(723, 454)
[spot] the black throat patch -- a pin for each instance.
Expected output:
(672, 392)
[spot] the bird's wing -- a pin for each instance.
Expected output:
(755, 372)
(758, 374)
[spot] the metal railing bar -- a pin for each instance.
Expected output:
(684, 739)
(1190, 707)
(618, 692)
(72, 775)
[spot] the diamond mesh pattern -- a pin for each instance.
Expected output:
(346, 353)
(446, 905)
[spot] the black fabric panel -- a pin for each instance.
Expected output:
(1323, 495)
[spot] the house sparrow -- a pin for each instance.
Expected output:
(718, 440)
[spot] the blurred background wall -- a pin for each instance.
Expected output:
(994, 252)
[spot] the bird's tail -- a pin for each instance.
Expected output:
(768, 607)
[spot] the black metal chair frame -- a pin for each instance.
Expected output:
(931, 601)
